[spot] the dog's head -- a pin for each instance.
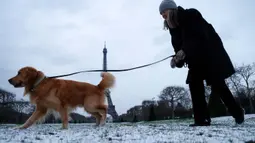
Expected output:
(26, 76)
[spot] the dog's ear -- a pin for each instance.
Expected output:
(40, 74)
(34, 75)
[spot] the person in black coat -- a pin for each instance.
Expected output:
(197, 44)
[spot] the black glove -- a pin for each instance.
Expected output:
(180, 64)
(180, 55)
(178, 60)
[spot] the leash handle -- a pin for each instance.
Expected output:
(121, 70)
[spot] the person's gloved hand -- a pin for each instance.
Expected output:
(173, 62)
(178, 60)
(180, 55)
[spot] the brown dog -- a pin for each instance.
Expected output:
(62, 95)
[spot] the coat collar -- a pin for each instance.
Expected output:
(181, 16)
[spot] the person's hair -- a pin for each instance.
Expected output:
(173, 17)
(165, 25)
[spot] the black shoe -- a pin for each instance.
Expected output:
(205, 123)
(240, 119)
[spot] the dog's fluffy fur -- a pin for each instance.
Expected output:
(62, 95)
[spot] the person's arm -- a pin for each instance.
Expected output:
(176, 39)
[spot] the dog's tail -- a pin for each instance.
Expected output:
(108, 81)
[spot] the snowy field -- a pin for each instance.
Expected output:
(222, 129)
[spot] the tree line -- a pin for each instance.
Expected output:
(174, 102)
(12, 110)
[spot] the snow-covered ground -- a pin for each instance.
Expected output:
(222, 129)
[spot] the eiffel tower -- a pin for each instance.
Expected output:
(111, 107)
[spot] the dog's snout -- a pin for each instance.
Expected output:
(10, 81)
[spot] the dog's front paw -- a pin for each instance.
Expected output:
(95, 126)
(15, 127)
(18, 127)
(102, 124)
(64, 128)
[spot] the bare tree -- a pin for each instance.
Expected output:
(247, 73)
(173, 94)
(207, 93)
(30, 109)
(6, 99)
(253, 89)
(148, 102)
(235, 83)
(186, 102)
(6, 96)
(20, 105)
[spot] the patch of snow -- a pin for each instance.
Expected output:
(223, 129)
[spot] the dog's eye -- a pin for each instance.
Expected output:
(18, 73)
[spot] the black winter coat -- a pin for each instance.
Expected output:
(205, 54)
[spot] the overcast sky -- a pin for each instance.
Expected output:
(62, 36)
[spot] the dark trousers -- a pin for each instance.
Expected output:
(200, 108)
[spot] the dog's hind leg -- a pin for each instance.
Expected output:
(95, 105)
(102, 109)
(99, 112)
(97, 116)
(91, 110)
